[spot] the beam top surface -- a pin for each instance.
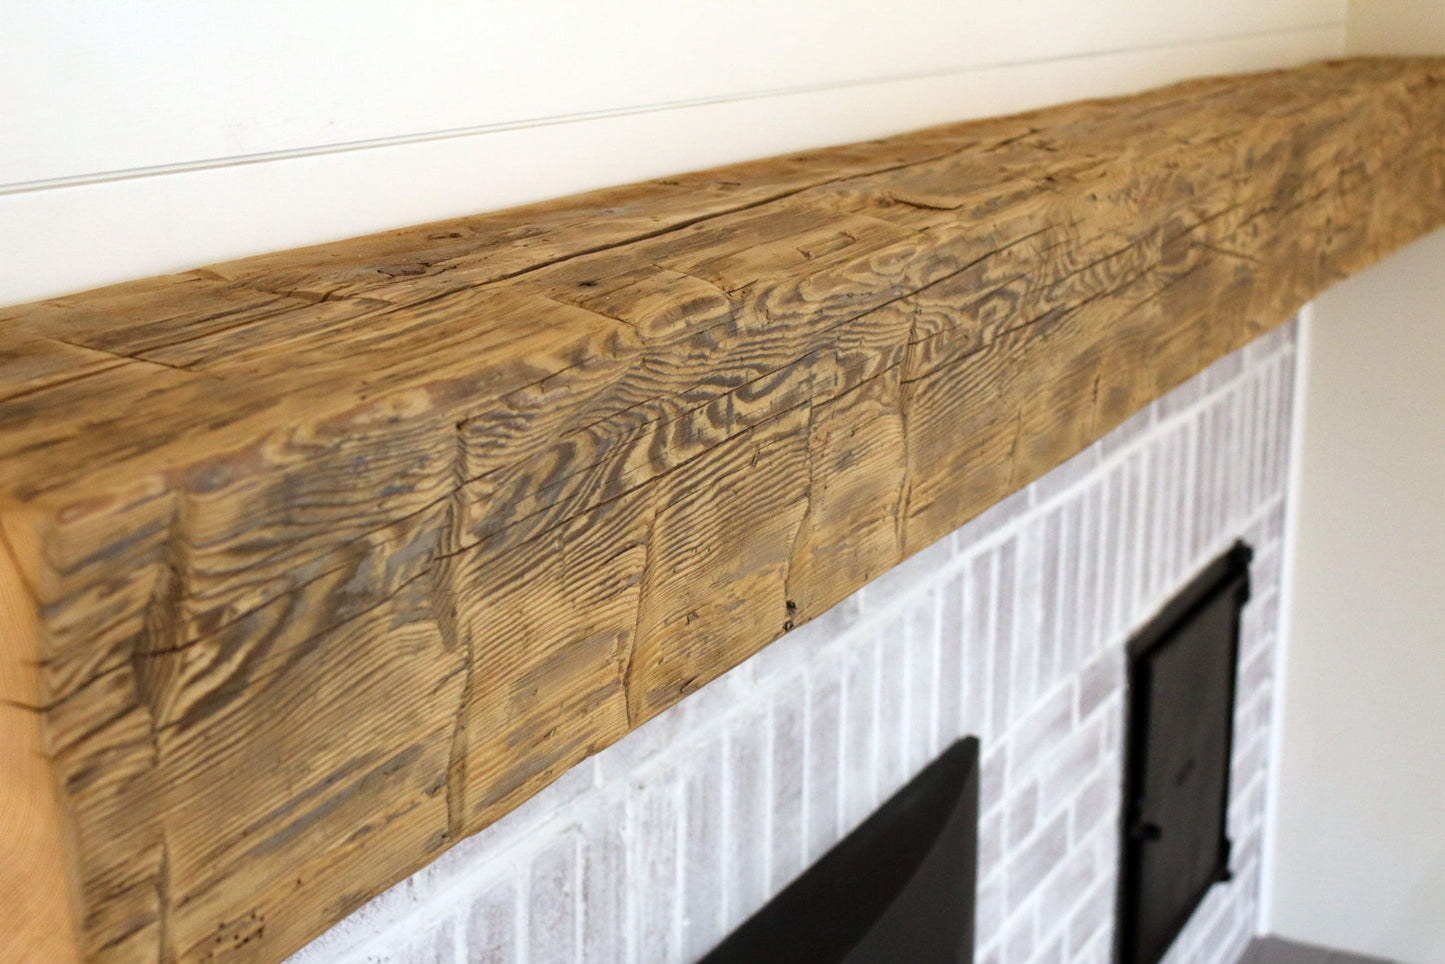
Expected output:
(178, 372)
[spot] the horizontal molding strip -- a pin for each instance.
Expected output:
(630, 110)
(317, 562)
(65, 239)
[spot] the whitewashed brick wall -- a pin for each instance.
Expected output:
(1012, 629)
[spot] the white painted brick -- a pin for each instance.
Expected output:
(1028, 603)
(1068, 766)
(1255, 674)
(1274, 517)
(951, 645)
(1248, 761)
(1114, 722)
(1231, 457)
(1086, 632)
(860, 730)
(1091, 917)
(491, 930)
(1183, 563)
(552, 919)
(1051, 591)
(1224, 371)
(1244, 445)
(991, 776)
(1005, 641)
(704, 847)
(1018, 938)
(1065, 887)
(1164, 479)
(988, 912)
(789, 762)
(1284, 420)
(1043, 729)
(1246, 808)
(1030, 863)
(1099, 680)
(891, 654)
(652, 864)
(748, 814)
(1240, 398)
(1022, 811)
(1264, 574)
(1219, 468)
(436, 945)
(1071, 634)
(1224, 937)
(990, 843)
(1112, 525)
(1135, 483)
(1201, 465)
(821, 791)
(1097, 802)
(1253, 718)
(604, 890)
(1050, 953)
(1262, 615)
(1147, 565)
(1176, 513)
(922, 669)
(1264, 444)
(1263, 431)
(1100, 949)
(978, 666)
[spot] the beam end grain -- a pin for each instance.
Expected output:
(36, 880)
(334, 556)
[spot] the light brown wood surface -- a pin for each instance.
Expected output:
(319, 561)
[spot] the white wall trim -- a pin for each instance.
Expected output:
(632, 110)
(67, 233)
(1303, 334)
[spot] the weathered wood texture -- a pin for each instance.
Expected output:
(317, 562)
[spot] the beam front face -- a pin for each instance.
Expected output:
(318, 562)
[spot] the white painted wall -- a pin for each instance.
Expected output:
(1396, 27)
(1359, 838)
(157, 135)
(1356, 847)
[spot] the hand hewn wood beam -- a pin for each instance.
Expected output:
(315, 563)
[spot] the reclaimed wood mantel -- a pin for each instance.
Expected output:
(317, 562)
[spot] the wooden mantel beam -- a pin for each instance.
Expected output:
(317, 562)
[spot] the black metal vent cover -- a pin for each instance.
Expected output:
(899, 888)
(1182, 669)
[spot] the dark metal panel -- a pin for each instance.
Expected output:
(899, 888)
(1182, 669)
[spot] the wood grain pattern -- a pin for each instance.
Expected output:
(319, 561)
